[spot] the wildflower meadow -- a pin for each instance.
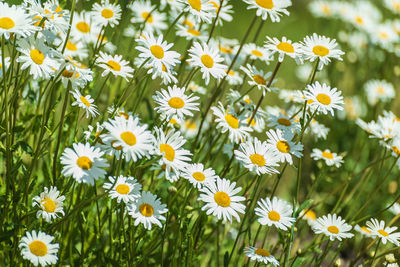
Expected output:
(199, 133)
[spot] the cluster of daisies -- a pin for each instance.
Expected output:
(53, 44)
(366, 20)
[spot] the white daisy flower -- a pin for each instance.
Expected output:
(75, 73)
(378, 229)
(195, 88)
(318, 130)
(114, 64)
(309, 215)
(320, 47)
(272, 8)
(85, 102)
(257, 156)
(258, 122)
(260, 255)
(50, 203)
(145, 13)
(174, 157)
(225, 11)
(393, 5)
(379, 90)
(82, 28)
(38, 249)
(258, 78)
(123, 188)
(156, 52)
(256, 52)
(332, 226)
(175, 102)
(147, 210)
(234, 78)
(37, 56)
(14, 20)
(276, 212)
(190, 33)
(229, 122)
(208, 60)
(323, 97)
(129, 136)
(284, 47)
(84, 163)
(282, 143)
(283, 122)
(198, 176)
(189, 128)
(221, 200)
(322, 9)
(329, 157)
(76, 49)
(202, 10)
(363, 230)
(106, 13)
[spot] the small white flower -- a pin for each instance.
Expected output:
(123, 188)
(106, 13)
(272, 8)
(282, 143)
(38, 249)
(276, 212)
(332, 226)
(85, 102)
(114, 64)
(50, 203)
(198, 176)
(323, 97)
(261, 255)
(378, 229)
(329, 157)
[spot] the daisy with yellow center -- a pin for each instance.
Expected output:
(76, 49)
(276, 212)
(74, 73)
(170, 147)
(156, 52)
(272, 8)
(260, 255)
(379, 90)
(320, 47)
(202, 10)
(378, 229)
(50, 203)
(393, 5)
(331, 159)
(229, 122)
(284, 47)
(195, 88)
(221, 200)
(234, 78)
(332, 226)
(128, 138)
(258, 78)
(114, 64)
(363, 230)
(322, 9)
(308, 215)
(14, 20)
(83, 28)
(106, 13)
(84, 163)
(123, 188)
(37, 248)
(85, 102)
(147, 210)
(175, 102)
(208, 60)
(198, 176)
(324, 98)
(36, 56)
(283, 122)
(144, 13)
(224, 10)
(255, 52)
(282, 144)
(190, 33)
(257, 156)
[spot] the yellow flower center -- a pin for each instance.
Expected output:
(83, 27)
(172, 121)
(359, 20)
(231, 73)
(259, 79)
(115, 147)
(257, 53)
(6, 23)
(37, 56)
(310, 101)
(326, 10)
(333, 229)
(114, 65)
(365, 229)
(285, 122)
(327, 155)
(126, 115)
(71, 46)
(383, 35)
(207, 61)
(169, 152)
(146, 210)
(129, 138)
(107, 13)
(199, 176)
(195, 4)
(283, 146)
(268, 4)
(324, 99)
(188, 23)
(84, 101)
(67, 74)
(380, 90)
(286, 47)
(383, 232)
(84, 163)
(157, 51)
(274, 216)
(396, 150)
(176, 103)
(49, 205)
(320, 50)
(222, 199)
(252, 123)
(232, 121)
(262, 252)
(148, 16)
(122, 189)
(311, 215)
(257, 159)
(190, 125)
(38, 248)
(193, 32)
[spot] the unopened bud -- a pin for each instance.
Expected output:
(338, 263)
(172, 189)
(392, 187)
